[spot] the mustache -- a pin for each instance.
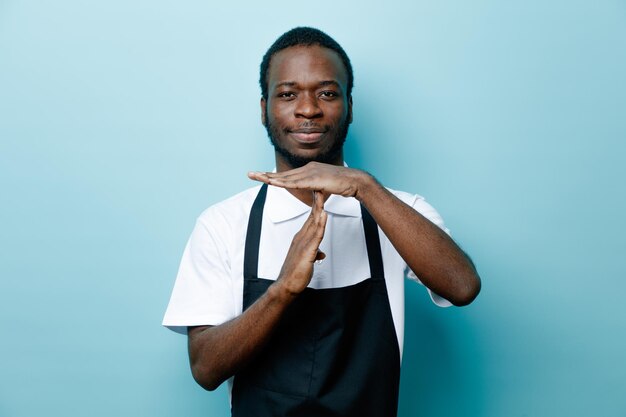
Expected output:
(308, 126)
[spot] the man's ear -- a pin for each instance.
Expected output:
(350, 109)
(263, 111)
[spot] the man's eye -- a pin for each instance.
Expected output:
(286, 94)
(329, 94)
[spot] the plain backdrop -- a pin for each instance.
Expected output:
(120, 121)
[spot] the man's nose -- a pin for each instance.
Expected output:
(307, 106)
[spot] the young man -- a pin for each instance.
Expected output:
(296, 287)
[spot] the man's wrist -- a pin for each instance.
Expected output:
(365, 183)
(280, 294)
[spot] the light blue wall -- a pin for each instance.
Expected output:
(121, 121)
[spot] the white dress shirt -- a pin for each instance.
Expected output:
(209, 285)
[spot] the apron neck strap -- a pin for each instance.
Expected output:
(372, 241)
(253, 236)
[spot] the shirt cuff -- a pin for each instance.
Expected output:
(179, 324)
(438, 300)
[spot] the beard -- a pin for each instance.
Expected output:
(327, 155)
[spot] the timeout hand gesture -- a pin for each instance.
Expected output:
(316, 176)
(297, 270)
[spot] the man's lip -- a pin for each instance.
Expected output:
(308, 130)
(307, 137)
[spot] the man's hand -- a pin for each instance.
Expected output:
(316, 176)
(297, 270)
(217, 352)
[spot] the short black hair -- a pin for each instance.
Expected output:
(306, 36)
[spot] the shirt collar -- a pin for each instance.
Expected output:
(281, 205)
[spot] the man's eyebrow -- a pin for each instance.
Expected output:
(286, 84)
(294, 84)
(329, 82)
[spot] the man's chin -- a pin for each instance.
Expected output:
(297, 161)
(300, 159)
(302, 155)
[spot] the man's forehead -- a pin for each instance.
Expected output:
(304, 61)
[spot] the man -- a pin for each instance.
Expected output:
(295, 287)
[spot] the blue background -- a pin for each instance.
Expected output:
(121, 121)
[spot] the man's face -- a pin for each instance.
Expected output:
(307, 112)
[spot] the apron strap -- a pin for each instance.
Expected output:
(253, 236)
(372, 241)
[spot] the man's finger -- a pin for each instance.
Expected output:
(317, 216)
(301, 172)
(275, 175)
(258, 176)
(316, 223)
(318, 202)
(293, 181)
(319, 213)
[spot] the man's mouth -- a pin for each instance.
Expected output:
(307, 135)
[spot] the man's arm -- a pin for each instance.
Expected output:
(434, 257)
(218, 352)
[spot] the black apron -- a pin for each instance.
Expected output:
(335, 351)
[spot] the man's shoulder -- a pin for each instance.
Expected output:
(234, 208)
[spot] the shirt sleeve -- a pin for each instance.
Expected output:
(428, 211)
(202, 293)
